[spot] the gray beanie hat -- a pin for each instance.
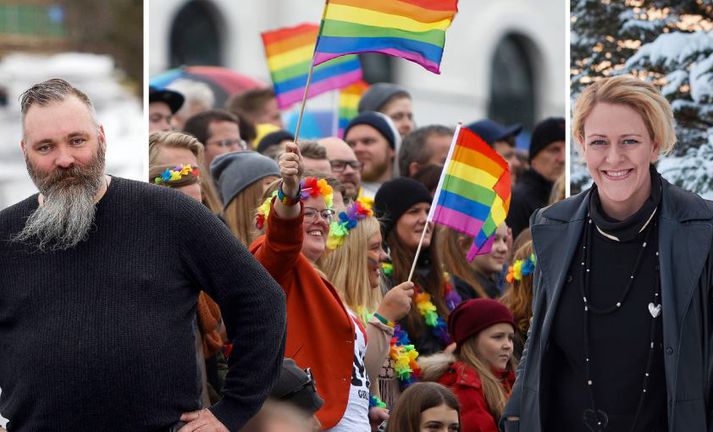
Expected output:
(235, 171)
(377, 95)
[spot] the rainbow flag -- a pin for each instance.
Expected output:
(349, 102)
(289, 56)
(412, 29)
(473, 194)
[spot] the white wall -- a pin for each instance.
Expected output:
(460, 93)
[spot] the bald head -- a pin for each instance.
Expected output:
(345, 166)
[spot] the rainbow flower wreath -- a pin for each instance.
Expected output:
(175, 174)
(520, 268)
(338, 230)
(309, 187)
(402, 351)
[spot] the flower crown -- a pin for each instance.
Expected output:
(176, 174)
(348, 219)
(520, 268)
(309, 187)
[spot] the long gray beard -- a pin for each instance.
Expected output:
(67, 214)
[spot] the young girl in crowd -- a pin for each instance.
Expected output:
(479, 278)
(426, 407)
(321, 334)
(481, 371)
(242, 178)
(186, 179)
(354, 268)
(518, 294)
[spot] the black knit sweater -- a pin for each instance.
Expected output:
(101, 336)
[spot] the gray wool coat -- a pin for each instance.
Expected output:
(686, 274)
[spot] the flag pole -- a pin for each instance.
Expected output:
(304, 102)
(335, 112)
(435, 198)
(309, 76)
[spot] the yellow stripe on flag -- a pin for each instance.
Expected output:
(379, 19)
(472, 174)
(473, 158)
(497, 211)
(290, 58)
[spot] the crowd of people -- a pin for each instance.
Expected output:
(338, 221)
(307, 275)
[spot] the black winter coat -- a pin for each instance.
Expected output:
(686, 274)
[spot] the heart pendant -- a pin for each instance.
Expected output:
(596, 421)
(654, 310)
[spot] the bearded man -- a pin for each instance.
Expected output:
(100, 277)
(376, 142)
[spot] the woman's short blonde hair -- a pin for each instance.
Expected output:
(638, 95)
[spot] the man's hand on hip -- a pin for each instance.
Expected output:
(202, 420)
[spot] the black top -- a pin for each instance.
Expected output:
(467, 292)
(426, 343)
(619, 341)
(101, 336)
(532, 191)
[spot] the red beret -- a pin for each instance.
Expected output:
(472, 316)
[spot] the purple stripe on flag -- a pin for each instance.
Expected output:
(457, 220)
(321, 57)
(487, 246)
(286, 99)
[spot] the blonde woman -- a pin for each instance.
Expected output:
(178, 148)
(354, 268)
(621, 333)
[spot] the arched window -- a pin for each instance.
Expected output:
(377, 67)
(512, 82)
(196, 37)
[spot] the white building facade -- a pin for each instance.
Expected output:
(504, 59)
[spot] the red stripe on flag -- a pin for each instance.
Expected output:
(447, 5)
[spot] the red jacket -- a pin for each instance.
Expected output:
(320, 333)
(465, 382)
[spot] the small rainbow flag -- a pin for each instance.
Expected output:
(412, 29)
(473, 194)
(289, 56)
(349, 103)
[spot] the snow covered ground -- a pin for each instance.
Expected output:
(117, 109)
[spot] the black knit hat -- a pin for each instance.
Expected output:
(546, 132)
(274, 138)
(173, 99)
(394, 198)
(378, 121)
(297, 386)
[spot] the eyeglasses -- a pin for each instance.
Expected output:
(341, 165)
(228, 143)
(310, 214)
